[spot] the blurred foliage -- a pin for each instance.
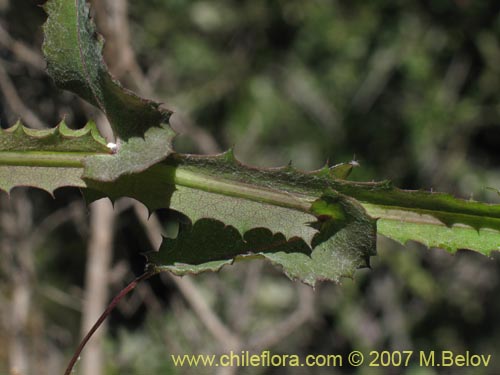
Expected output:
(410, 88)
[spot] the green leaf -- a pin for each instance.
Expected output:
(314, 225)
(58, 139)
(73, 50)
(47, 159)
(135, 156)
(404, 226)
(282, 200)
(344, 242)
(434, 219)
(266, 213)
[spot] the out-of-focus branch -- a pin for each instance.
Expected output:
(182, 123)
(16, 104)
(241, 308)
(382, 65)
(16, 223)
(21, 50)
(61, 297)
(226, 339)
(99, 257)
(112, 19)
(303, 313)
(74, 210)
(299, 87)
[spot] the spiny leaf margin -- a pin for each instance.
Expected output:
(342, 244)
(455, 223)
(73, 50)
(57, 139)
(47, 159)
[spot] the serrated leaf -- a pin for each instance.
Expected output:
(45, 178)
(280, 199)
(315, 226)
(216, 241)
(342, 244)
(434, 219)
(58, 139)
(222, 188)
(135, 156)
(47, 159)
(404, 226)
(73, 50)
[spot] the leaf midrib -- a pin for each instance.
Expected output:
(53, 159)
(188, 178)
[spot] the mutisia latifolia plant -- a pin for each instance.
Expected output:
(314, 226)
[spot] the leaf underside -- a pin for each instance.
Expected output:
(31, 157)
(314, 226)
(337, 249)
(245, 227)
(434, 219)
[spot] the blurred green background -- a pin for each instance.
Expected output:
(410, 89)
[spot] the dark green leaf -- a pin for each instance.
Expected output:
(342, 244)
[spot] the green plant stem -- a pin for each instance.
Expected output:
(211, 184)
(146, 275)
(182, 177)
(44, 159)
(391, 206)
